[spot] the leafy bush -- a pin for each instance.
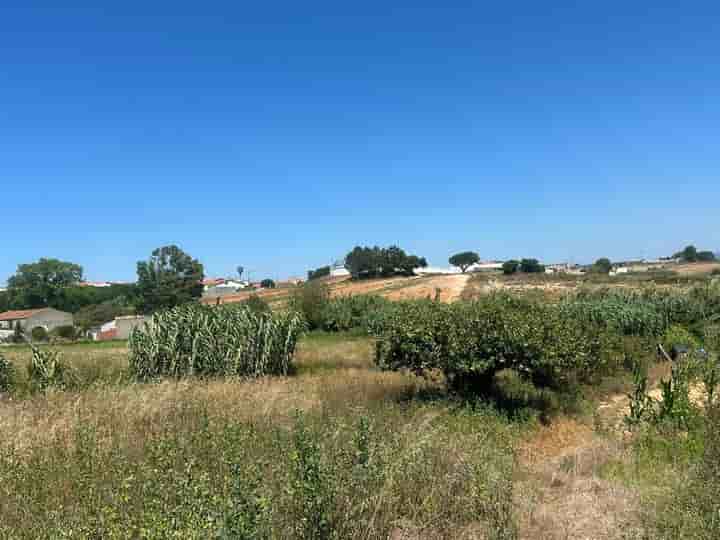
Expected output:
(204, 341)
(362, 312)
(510, 267)
(311, 300)
(7, 375)
(531, 266)
(471, 342)
(39, 334)
(256, 304)
(267, 284)
(65, 332)
(47, 369)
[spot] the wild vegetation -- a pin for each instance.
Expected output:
(184, 435)
(196, 340)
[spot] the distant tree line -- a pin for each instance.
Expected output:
(691, 254)
(370, 262)
(323, 271)
(527, 266)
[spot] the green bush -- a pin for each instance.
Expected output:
(7, 375)
(256, 304)
(311, 300)
(206, 341)
(267, 284)
(471, 342)
(39, 334)
(367, 313)
(65, 332)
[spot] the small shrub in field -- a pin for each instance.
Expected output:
(65, 332)
(46, 369)
(311, 300)
(256, 304)
(39, 334)
(7, 375)
(207, 341)
(361, 312)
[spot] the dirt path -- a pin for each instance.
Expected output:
(450, 288)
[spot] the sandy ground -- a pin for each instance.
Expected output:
(395, 288)
(696, 268)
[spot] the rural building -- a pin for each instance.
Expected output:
(120, 328)
(489, 266)
(47, 318)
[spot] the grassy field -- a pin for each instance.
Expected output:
(340, 449)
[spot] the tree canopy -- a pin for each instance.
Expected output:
(691, 254)
(368, 262)
(170, 277)
(267, 284)
(510, 267)
(531, 266)
(602, 266)
(464, 260)
(41, 284)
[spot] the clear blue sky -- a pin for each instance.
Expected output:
(277, 135)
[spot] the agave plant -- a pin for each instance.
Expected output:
(207, 341)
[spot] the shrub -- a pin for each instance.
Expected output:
(311, 300)
(7, 375)
(256, 304)
(361, 312)
(471, 342)
(65, 332)
(205, 341)
(267, 284)
(39, 334)
(510, 267)
(47, 369)
(531, 266)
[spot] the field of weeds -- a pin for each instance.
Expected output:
(338, 448)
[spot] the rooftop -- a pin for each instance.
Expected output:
(19, 314)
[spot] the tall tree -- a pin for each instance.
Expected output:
(531, 266)
(602, 266)
(367, 262)
(41, 284)
(689, 254)
(464, 260)
(169, 278)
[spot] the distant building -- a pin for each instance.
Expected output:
(487, 266)
(120, 328)
(27, 319)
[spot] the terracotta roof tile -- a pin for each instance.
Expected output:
(19, 314)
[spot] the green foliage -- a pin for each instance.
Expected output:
(471, 342)
(679, 335)
(98, 314)
(323, 271)
(367, 262)
(311, 300)
(47, 369)
(267, 284)
(39, 334)
(40, 284)
(18, 335)
(65, 332)
(531, 266)
(602, 266)
(689, 254)
(641, 404)
(510, 267)
(206, 341)
(7, 375)
(361, 312)
(169, 278)
(705, 256)
(256, 304)
(464, 260)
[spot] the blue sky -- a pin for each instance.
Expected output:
(279, 135)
